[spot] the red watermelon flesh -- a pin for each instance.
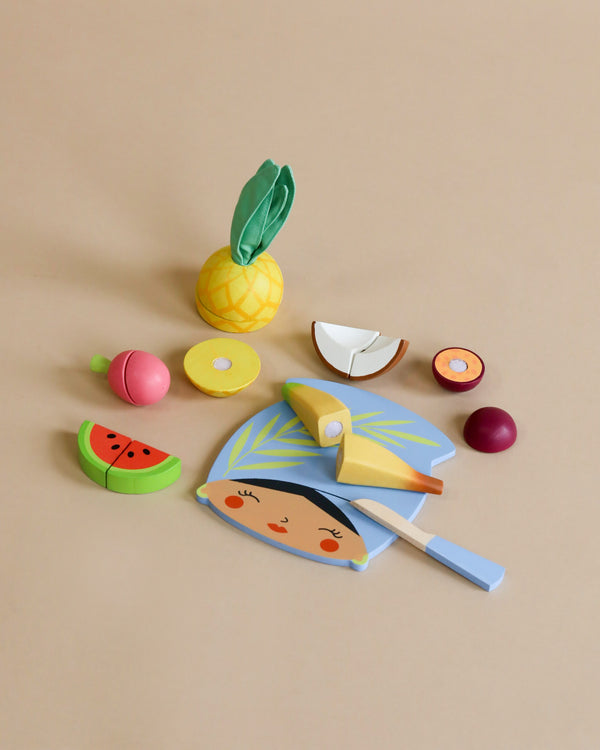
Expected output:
(107, 444)
(139, 456)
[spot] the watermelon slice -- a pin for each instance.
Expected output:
(121, 464)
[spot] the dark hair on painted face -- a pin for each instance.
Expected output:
(314, 496)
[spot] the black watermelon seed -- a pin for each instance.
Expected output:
(131, 454)
(146, 451)
(115, 447)
(111, 435)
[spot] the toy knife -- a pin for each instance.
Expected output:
(477, 569)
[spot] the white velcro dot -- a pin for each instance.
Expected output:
(333, 429)
(222, 363)
(457, 365)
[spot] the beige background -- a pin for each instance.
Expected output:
(447, 166)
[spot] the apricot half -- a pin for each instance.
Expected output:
(457, 369)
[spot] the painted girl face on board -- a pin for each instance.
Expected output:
(290, 515)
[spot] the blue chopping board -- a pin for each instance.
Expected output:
(273, 481)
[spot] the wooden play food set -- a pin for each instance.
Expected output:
(332, 473)
(121, 464)
(137, 377)
(240, 286)
(221, 367)
(457, 369)
(356, 353)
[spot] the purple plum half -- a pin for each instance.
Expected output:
(490, 430)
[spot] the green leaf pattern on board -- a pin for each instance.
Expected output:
(285, 452)
(258, 440)
(291, 433)
(380, 430)
(269, 465)
(238, 445)
(294, 434)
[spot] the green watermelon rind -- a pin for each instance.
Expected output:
(93, 466)
(141, 481)
(125, 481)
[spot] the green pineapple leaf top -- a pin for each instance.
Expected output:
(262, 209)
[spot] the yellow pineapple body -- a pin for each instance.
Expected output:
(237, 298)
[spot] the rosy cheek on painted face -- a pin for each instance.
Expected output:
(329, 545)
(234, 501)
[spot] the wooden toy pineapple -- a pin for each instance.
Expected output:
(240, 286)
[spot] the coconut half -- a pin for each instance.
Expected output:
(356, 353)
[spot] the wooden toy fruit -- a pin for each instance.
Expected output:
(323, 415)
(221, 367)
(363, 461)
(240, 286)
(490, 430)
(137, 377)
(457, 369)
(121, 464)
(356, 353)
(238, 298)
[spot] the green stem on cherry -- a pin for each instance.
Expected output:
(99, 363)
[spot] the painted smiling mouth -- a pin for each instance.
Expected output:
(277, 528)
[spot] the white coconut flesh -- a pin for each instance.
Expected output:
(355, 352)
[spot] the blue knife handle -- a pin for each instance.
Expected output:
(484, 573)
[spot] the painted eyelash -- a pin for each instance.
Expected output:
(247, 493)
(334, 532)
